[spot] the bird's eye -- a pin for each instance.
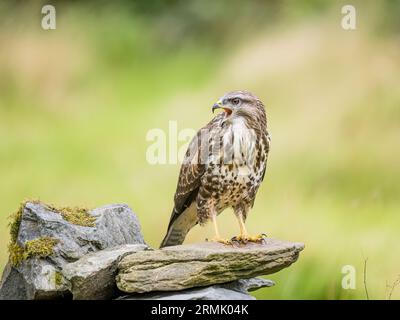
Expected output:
(235, 101)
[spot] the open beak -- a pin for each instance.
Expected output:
(219, 105)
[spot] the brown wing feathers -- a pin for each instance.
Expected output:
(189, 182)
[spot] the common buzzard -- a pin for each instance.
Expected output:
(224, 166)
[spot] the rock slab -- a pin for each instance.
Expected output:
(197, 265)
(93, 276)
(237, 290)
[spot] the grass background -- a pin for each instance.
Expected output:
(77, 102)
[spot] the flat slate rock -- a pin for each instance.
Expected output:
(93, 276)
(236, 290)
(198, 265)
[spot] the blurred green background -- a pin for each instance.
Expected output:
(77, 102)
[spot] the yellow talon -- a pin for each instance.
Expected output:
(244, 237)
(217, 237)
(256, 238)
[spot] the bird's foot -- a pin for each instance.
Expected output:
(245, 238)
(220, 240)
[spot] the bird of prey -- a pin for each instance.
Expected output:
(223, 167)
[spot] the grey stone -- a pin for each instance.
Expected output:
(13, 286)
(198, 265)
(236, 290)
(207, 293)
(93, 276)
(246, 285)
(41, 278)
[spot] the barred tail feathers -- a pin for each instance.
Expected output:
(179, 228)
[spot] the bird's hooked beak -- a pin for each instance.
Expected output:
(219, 105)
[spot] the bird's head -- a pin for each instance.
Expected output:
(240, 104)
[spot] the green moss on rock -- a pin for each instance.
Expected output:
(14, 224)
(78, 216)
(41, 247)
(58, 278)
(16, 254)
(16, 218)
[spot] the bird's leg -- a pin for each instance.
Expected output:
(244, 236)
(243, 231)
(218, 237)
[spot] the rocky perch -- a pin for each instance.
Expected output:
(75, 253)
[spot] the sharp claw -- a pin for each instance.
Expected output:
(246, 239)
(237, 240)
